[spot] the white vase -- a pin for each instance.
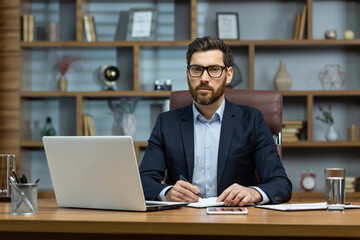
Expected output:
(331, 134)
(129, 124)
(282, 79)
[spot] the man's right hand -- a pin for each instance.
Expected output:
(183, 192)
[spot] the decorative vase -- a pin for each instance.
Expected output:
(282, 79)
(48, 129)
(129, 124)
(62, 83)
(331, 134)
(353, 133)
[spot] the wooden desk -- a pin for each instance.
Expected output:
(52, 222)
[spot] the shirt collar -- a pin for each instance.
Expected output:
(218, 114)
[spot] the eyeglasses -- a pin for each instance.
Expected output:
(213, 71)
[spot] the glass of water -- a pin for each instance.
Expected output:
(335, 188)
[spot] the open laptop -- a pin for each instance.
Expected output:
(97, 172)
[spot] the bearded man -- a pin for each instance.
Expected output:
(213, 143)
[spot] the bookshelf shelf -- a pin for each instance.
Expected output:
(321, 144)
(100, 94)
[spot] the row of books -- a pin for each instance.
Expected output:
(89, 28)
(88, 125)
(291, 130)
(352, 184)
(300, 20)
(27, 28)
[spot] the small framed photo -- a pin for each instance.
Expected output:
(142, 24)
(227, 26)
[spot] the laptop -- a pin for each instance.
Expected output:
(98, 172)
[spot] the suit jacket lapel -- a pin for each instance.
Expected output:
(187, 133)
(227, 130)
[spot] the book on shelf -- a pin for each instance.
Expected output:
(89, 28)
(88, 125)
(297, 26)
(302, 23)
(85, 125)
(92, 28)
(92, 131)
(27, 28)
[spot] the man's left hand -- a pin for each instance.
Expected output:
(237, 195)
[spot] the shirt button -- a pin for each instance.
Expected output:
(207, 167)
(208, 126)
(208, 188)
(208, 146)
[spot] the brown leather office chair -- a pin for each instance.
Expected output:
(270, 103)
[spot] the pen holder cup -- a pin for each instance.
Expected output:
(24, 198)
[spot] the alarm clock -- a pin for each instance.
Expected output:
(308, 181)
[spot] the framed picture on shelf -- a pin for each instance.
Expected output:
(142, 24)
(227, 25)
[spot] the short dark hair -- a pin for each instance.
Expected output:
(209, 43)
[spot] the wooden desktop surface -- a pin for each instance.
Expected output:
(52, 222)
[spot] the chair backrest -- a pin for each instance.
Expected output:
(270, 103)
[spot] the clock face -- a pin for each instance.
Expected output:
(308, 183)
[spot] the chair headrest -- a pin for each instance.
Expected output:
(270, 103)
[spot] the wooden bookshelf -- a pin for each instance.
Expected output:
(20, 83)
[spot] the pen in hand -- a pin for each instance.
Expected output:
(185, 180)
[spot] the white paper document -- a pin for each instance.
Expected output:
(206, 202)
(300, 206)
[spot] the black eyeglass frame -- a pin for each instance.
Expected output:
(207, 70)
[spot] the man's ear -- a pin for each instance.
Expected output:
(229, 75)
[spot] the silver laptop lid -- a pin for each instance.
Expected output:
(95, 172)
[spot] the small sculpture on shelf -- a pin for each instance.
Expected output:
(123, 110)
(332, 77)
(63, 64)
(349, 35)
(331, 134)
(109, 75)
(48, 129)
(331, 34)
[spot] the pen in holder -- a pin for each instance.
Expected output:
(7, 161)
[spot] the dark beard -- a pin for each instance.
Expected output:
(207, 100)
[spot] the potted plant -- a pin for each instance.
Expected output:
(331, 134)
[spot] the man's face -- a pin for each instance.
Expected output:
(205, 89)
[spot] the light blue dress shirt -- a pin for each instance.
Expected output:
(206, 148)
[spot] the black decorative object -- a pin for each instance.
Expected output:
(237, 77)
(109, 75)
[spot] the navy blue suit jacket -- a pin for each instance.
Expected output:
(245, 144)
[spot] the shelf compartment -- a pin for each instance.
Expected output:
(276, 22)
(63, 13)
(34, 112)
(345, 111)
(337, 15)
(40, 74)
(311, 158)
(108, 123)
(304, 70)
(173, 21)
